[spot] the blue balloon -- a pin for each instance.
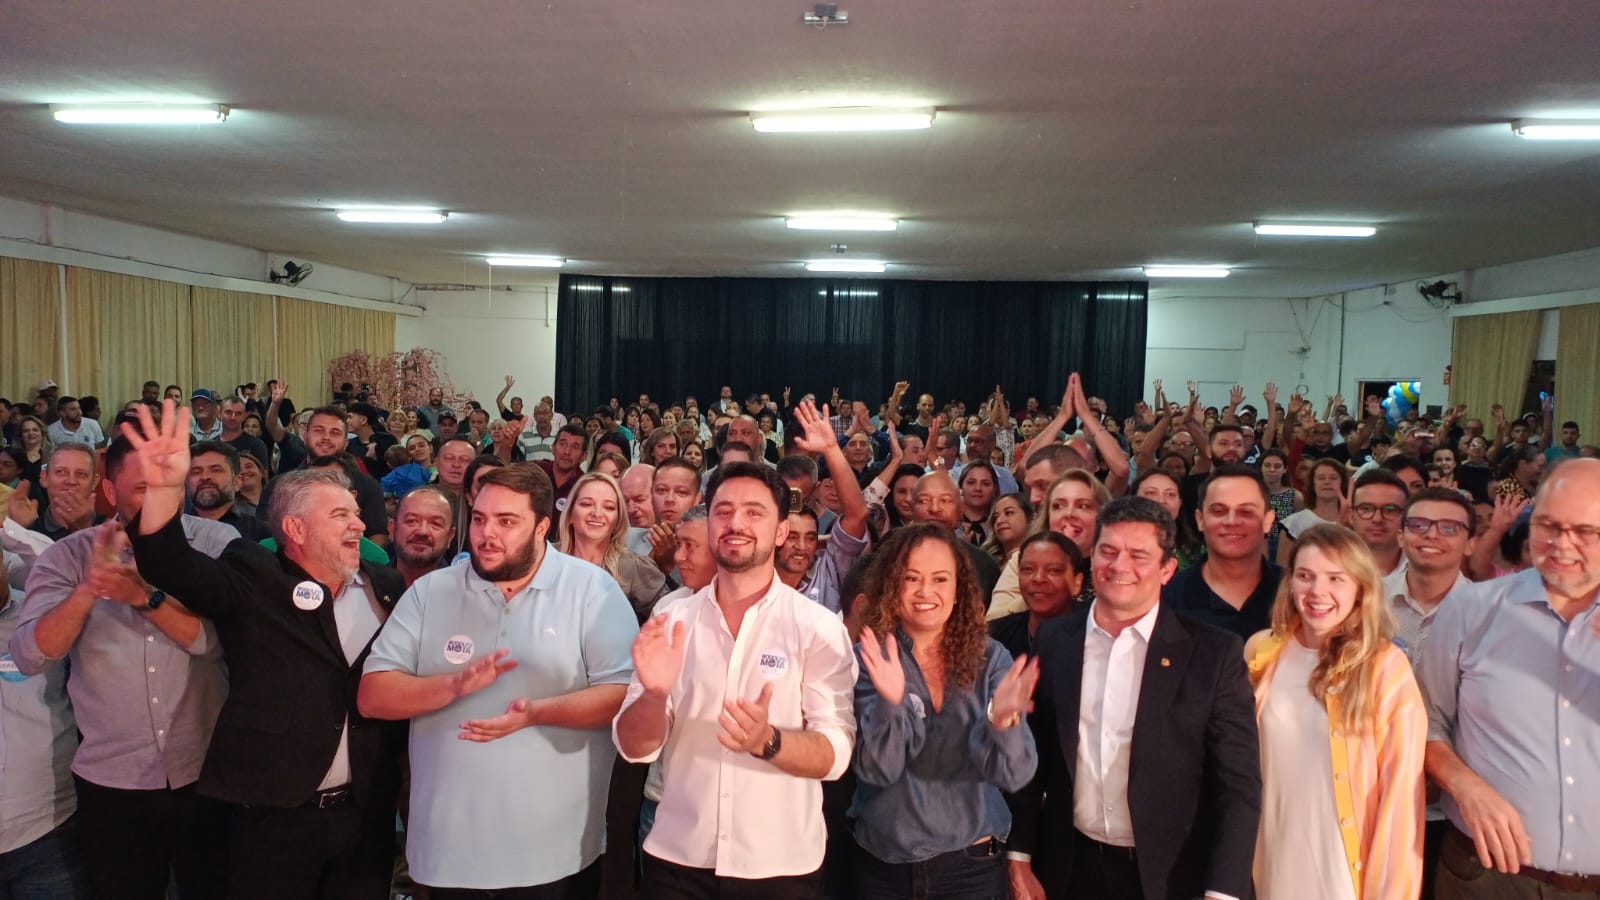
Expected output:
(1393, 411)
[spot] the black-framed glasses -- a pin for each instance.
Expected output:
(1548, 531)
(1449, 528)
(1389, 510)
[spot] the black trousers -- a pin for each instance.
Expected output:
(340, 852)
(583, 885)
(669, 881)
(1103, 871)
(135, 842)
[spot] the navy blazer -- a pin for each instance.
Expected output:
(1194, 779)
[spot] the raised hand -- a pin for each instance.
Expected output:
(24, 509)
(481, 672)
(1337, 400)
(1498, 412)
(1235, 395)
(519, 714)
(817, 434)
(744, 722)
(1507, 509)
(279, 391)
(882, 662)
(663, 538)
(1194, 391)
(1270, 395)
(1013, 696)
(658, 655)
(163, 450)
(511, 381)
(900, 388)
(785, 396)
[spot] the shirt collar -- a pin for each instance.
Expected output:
(1143, 627)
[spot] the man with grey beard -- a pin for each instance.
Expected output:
(213, 485)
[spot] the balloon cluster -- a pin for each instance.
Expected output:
(1402, 398)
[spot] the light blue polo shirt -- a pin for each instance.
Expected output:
(529, 808)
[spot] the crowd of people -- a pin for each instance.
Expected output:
(795, 646)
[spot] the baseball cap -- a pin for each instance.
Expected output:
(45, 385)
(203, 394)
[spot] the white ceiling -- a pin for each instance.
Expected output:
(1075, 138)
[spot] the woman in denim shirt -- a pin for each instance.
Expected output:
(939, 707)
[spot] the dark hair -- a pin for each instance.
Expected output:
(343, 461)
(360, 408)
(757, 471)
(1124, 510)
(1445, 495)
(1511, 455)
(225, 449)
(1398, 464)
(797, 466)
(333, 411)
(647, 447)
(613, 439)
(117, 451)
(1382, 476)
(529, 480)
(1570, 424)
(977, 464)
(905, 470)
(1330, 462)
(1224, 428)
(576, 430)
(1236, 470)
(481, 461)
(1079, 564)
(1148, 474)
(678, 462)
(965, 642)
(154, 384)
(1515, 541)
(739, 446)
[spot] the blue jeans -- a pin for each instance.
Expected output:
(974, 873)
(47, 869)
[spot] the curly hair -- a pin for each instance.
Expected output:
(964, 644)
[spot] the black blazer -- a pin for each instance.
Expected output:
(290, 689)
(1194, 779)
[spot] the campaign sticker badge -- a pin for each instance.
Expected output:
(307, 595)
(458, 649)
(9, 670)
(773, 664)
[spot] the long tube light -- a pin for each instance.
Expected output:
(394, 216)
(839, 222)
(1186, 272)
(843, 118)
(845, 265)
(1557, 129)
(141, 113)
(1306, 229)
(536, 262)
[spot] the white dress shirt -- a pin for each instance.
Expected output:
(1113, 669)
(355, 612)
(730, 811)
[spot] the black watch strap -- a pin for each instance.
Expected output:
(157, 597)
(773, 745)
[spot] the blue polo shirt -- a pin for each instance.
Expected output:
(529, 808)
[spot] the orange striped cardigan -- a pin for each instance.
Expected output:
(1377, 776)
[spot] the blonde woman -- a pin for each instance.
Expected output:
(592, 529)
(1342, 729)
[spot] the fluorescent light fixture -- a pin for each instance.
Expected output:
(1185, 272)
(533, 262)
(395, 216)
(845, 265)
(1557, 129)
(140, 113)
(841, 222)
(1306, 229)
(843, 118)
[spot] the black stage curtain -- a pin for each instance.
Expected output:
(672, 337)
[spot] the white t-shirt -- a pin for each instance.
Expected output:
(88, 433)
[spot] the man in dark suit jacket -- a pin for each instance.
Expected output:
(311, 783)
(1162, 799)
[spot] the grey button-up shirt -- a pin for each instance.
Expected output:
(145, 705)
(1515, 689)
(37, 740)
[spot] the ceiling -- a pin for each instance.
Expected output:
(1075, 138)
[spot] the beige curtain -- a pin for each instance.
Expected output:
(123, 330)
(30, 323)
(1491, 359)
(1578, 370)
(233, 339)
(312, 335)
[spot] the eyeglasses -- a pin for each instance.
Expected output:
(1389, 510)
(1449, 528)
(1548, 531)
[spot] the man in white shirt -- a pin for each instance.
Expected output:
(1148, 749)
(72, 427)
(744, 693)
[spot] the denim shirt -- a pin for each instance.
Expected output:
(932, 782)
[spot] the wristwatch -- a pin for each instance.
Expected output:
(157, 597)
(773, 745)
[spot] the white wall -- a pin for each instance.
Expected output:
(485, 335)
(1299, 344)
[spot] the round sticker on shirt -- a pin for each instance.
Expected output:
(561, 505)
(773, 664)
(458, 649)
(9, 670)
(307, 595)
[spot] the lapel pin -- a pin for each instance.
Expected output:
(1166, 663)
